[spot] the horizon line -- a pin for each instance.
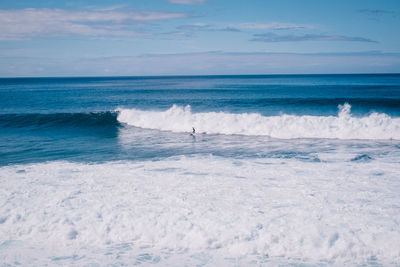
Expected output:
(200, 75)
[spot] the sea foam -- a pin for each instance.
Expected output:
(188, 211)
(342, 126)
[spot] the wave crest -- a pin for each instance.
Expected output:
(343, 126)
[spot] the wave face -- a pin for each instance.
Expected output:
(89, 119)
(342, 126)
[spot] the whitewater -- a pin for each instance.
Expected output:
(284, 170)
(199, 211)
(343, 126)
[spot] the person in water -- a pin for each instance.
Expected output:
(193, 130)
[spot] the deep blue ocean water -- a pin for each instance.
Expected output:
(44, 119)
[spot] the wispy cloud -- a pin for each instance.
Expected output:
(272, 38)
(194, 27)
(377, 12)
(187, 2)
(26, 23)
(189, 30)
(229, 29)
(271, 26)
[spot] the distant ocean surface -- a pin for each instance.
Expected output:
(287, 170)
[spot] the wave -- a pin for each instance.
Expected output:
(89, 119)
(342, 126)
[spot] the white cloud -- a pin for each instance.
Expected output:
(26, 23)
(187, 2)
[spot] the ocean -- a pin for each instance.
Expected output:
(288, 170)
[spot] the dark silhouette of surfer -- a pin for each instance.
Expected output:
(193, 134)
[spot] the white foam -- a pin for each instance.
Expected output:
(200, 210)
(343, 126)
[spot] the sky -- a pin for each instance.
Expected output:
(198, 37)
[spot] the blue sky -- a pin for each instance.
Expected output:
(198, 37)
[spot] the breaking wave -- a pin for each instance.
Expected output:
(342, 126)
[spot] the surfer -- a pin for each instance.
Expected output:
(193, 130)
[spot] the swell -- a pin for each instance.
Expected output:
(39, 120)
(343, 126)
(363, 102)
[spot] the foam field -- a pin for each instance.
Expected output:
(201, 211)
(343, 126)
